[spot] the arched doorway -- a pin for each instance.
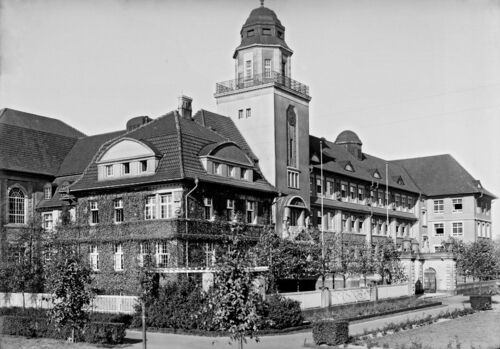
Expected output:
(295, 214)
(430, 280)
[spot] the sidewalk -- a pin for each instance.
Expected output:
(288, 341)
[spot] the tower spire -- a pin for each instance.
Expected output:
(262, 3)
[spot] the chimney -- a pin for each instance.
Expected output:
(137, 122)
(185, 109)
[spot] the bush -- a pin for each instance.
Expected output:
(330, 332)
(95, 332)
(282, 312)
(125, 319)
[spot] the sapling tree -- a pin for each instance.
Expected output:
(70, 285)
(234, 300)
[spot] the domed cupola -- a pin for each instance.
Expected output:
(263, 27)
(351, 142)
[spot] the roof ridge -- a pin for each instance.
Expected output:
(179, 139)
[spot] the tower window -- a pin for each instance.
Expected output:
(240, 114)
(266, 31)
(47, 191)
(280, 34)
(248, 112)
(250, 33)
(248, 70)
(267, 68)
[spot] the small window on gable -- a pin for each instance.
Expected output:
(47, 191)
(400, 181)
(266, 31)
(348, 167)
(377, 175)
(250, 33)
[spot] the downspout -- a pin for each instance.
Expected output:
(196, 181)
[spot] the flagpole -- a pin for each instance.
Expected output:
(322, 215)
(387, 196)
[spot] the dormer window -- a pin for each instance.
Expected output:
(348, 167)
(266, 31)
(250, 33)
(217, 168)
(143, 166)
(280, 34)
(400, 181)
(109, 170)
(126, 168)
(243, 174)
(47, 191)
(377, 175)
(231, 171)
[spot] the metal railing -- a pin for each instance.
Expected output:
(262, 79)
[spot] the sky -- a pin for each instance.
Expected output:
(410, 77)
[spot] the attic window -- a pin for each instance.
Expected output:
(250, 33)
(266, 31)
(377, 175)
(400, 181)
(348, 167)
(47, 191)
(280, 34)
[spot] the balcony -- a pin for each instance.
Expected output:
(191, 229)
(275, 78)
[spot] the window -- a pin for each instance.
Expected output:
(240, 114)
(166, 206)
(352, 191)
(217, 168)
(94, 257)
(230, 210)
(344, 222)
(377, 175)
(208, 207)
(380, 198)
(319, 187)
(243, 173)
(109, 170)
(403, 202)
(280, 34)
(47, 192)
(231, 171)
(162, 254)
(118, 204)
(410, 204)
(361, 194)
(398, 202)
(266, 31)
(343, 191)
(94, 212)
(17, 206)
(438, 229)
(267, 68)
(319, 218)
(457, 229)
(293, 179)
(248, 113)
(349, 167)
(438, 206)
(330, 189)
(250, 33)
(353, 223)
(144, 251)
(150, 209)
(250, 212)
(126, 168)
(248, 70)
(118, 257)
(143, 166)
(47, 221)
(360, 224)
(457, 205)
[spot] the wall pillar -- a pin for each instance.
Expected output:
(207, 280)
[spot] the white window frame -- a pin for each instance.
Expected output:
(47, 192)
(118, 216)
(94, 257)
(162, 256)
(94, 212)
(248, 113)
(436, 226)
(124, 166)
(457, 201)
(166, 205)
(109, 170)
(244, 173)
(267, 68)
(208, 208)
(231, 171)
(248, 69)
(293, 179)
(438, 206)
(18, 201)
(144, 250)
(251, 207)
(353, 193)
(217, 168)
(457, 229)
(48, 223)
(143, 166)
(230, 209)
(118, 257)
(361, 194)
(240, 114)
(150, 207)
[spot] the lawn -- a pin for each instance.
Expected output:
(8, 342)
(479, 330)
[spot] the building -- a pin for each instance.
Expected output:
(177, 186)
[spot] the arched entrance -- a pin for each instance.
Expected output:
(294, 218)
(430, 280)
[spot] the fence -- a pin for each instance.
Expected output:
(318, 299)
(478, 286)
(102, 304)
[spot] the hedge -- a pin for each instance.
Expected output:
(94, 332)
(330, 332)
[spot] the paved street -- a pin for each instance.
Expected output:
(289, 341)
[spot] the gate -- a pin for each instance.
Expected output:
(430, 280)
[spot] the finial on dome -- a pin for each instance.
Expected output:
(262, 3)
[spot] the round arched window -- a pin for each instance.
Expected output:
(17, 206)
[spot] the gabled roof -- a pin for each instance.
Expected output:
(179, 141)
(336, 157)
(441, 175)
(33, 143)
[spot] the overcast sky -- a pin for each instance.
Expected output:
(411, 78)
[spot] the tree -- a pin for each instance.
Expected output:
(70, 282)
(477, 259)
(387, 263)
(234, 301)
(363, 260)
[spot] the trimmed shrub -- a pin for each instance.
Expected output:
(125, 319)
(480, 302)
(282, 312)
(95, 332)
(330, 332)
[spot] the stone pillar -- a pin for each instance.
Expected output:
(392, 229)
(368, 229)
(207, 280)
(409, 266)
(259, 284)
(325, 298)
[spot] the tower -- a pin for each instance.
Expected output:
(271, 110)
